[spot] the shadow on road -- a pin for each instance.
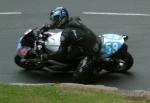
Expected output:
(107, 77)
(44, 76)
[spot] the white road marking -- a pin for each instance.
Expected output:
(113, 13)
(10, 13)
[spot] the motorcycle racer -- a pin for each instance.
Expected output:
(74, 33)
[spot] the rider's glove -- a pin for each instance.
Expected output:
(44, 28)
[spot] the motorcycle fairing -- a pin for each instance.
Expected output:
(53, 41)
(111, 43)
(19, 45)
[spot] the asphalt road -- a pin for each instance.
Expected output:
(35, 13)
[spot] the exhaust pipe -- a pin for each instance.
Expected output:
(57, 63)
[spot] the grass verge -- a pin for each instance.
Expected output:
(59, 94)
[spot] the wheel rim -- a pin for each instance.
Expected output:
(122, 65)
(28, 64)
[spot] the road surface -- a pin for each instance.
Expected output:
(102, 16)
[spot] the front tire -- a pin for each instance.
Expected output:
(25, 64)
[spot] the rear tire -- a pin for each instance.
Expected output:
(125, 63)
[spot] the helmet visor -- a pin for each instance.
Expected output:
(54, 18)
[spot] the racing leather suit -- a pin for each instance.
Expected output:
(76, 33)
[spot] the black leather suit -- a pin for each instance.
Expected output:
(77, 34)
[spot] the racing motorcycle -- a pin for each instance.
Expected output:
(116, 57)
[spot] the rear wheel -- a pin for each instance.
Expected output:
(123, 62)
(27, 64)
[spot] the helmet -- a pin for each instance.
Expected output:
(59, 16)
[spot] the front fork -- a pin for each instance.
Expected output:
(38, 47)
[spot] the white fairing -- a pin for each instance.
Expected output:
(111, 43)
(53, 41)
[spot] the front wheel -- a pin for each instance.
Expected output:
(27, 64)
(124, 62)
